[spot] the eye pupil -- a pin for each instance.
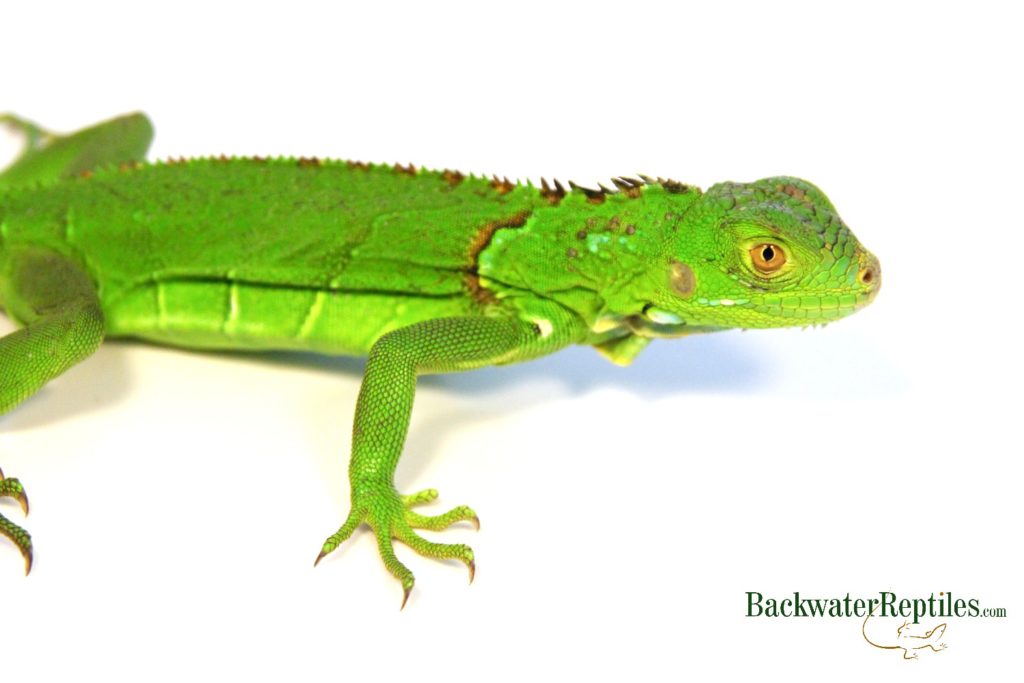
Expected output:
(768, 253)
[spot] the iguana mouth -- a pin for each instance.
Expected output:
(645, 326)
(809, 308)
(780, 309)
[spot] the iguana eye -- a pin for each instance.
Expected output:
(768, 257)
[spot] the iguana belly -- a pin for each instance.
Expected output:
(237, 315)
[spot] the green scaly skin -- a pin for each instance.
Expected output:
(421, 271)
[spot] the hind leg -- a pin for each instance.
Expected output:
(55, 300)
(48, 157)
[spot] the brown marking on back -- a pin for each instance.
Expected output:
(126, 166)
(480, 241)
(258, 160)
(502, 185)
(480, 294)
(308, 162)
(358, 165)
(409, 170)
(85, 174)
(484, 235)
(453, 178)
(553, 195)
(223, 158)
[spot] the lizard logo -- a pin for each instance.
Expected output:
(910, 643)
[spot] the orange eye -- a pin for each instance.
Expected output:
(767, 257)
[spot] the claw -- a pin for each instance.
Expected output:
(20, 538)
(472, 570)
(13, 489)
(476, 524)
(340, 536)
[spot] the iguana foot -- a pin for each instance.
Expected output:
(390, 516)
(12, 488)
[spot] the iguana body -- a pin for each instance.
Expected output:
(421, 271)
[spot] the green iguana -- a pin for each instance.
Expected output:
(422, 271)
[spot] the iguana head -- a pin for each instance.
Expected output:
(771, 253)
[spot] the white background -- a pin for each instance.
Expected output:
(179, 498)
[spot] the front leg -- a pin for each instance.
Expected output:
(384, 406)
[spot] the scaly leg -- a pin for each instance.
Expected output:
(55, 300)
(48, 157)
(382, 420)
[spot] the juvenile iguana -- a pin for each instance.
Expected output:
(422, 271)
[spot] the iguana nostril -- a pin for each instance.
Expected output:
(870, 275)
